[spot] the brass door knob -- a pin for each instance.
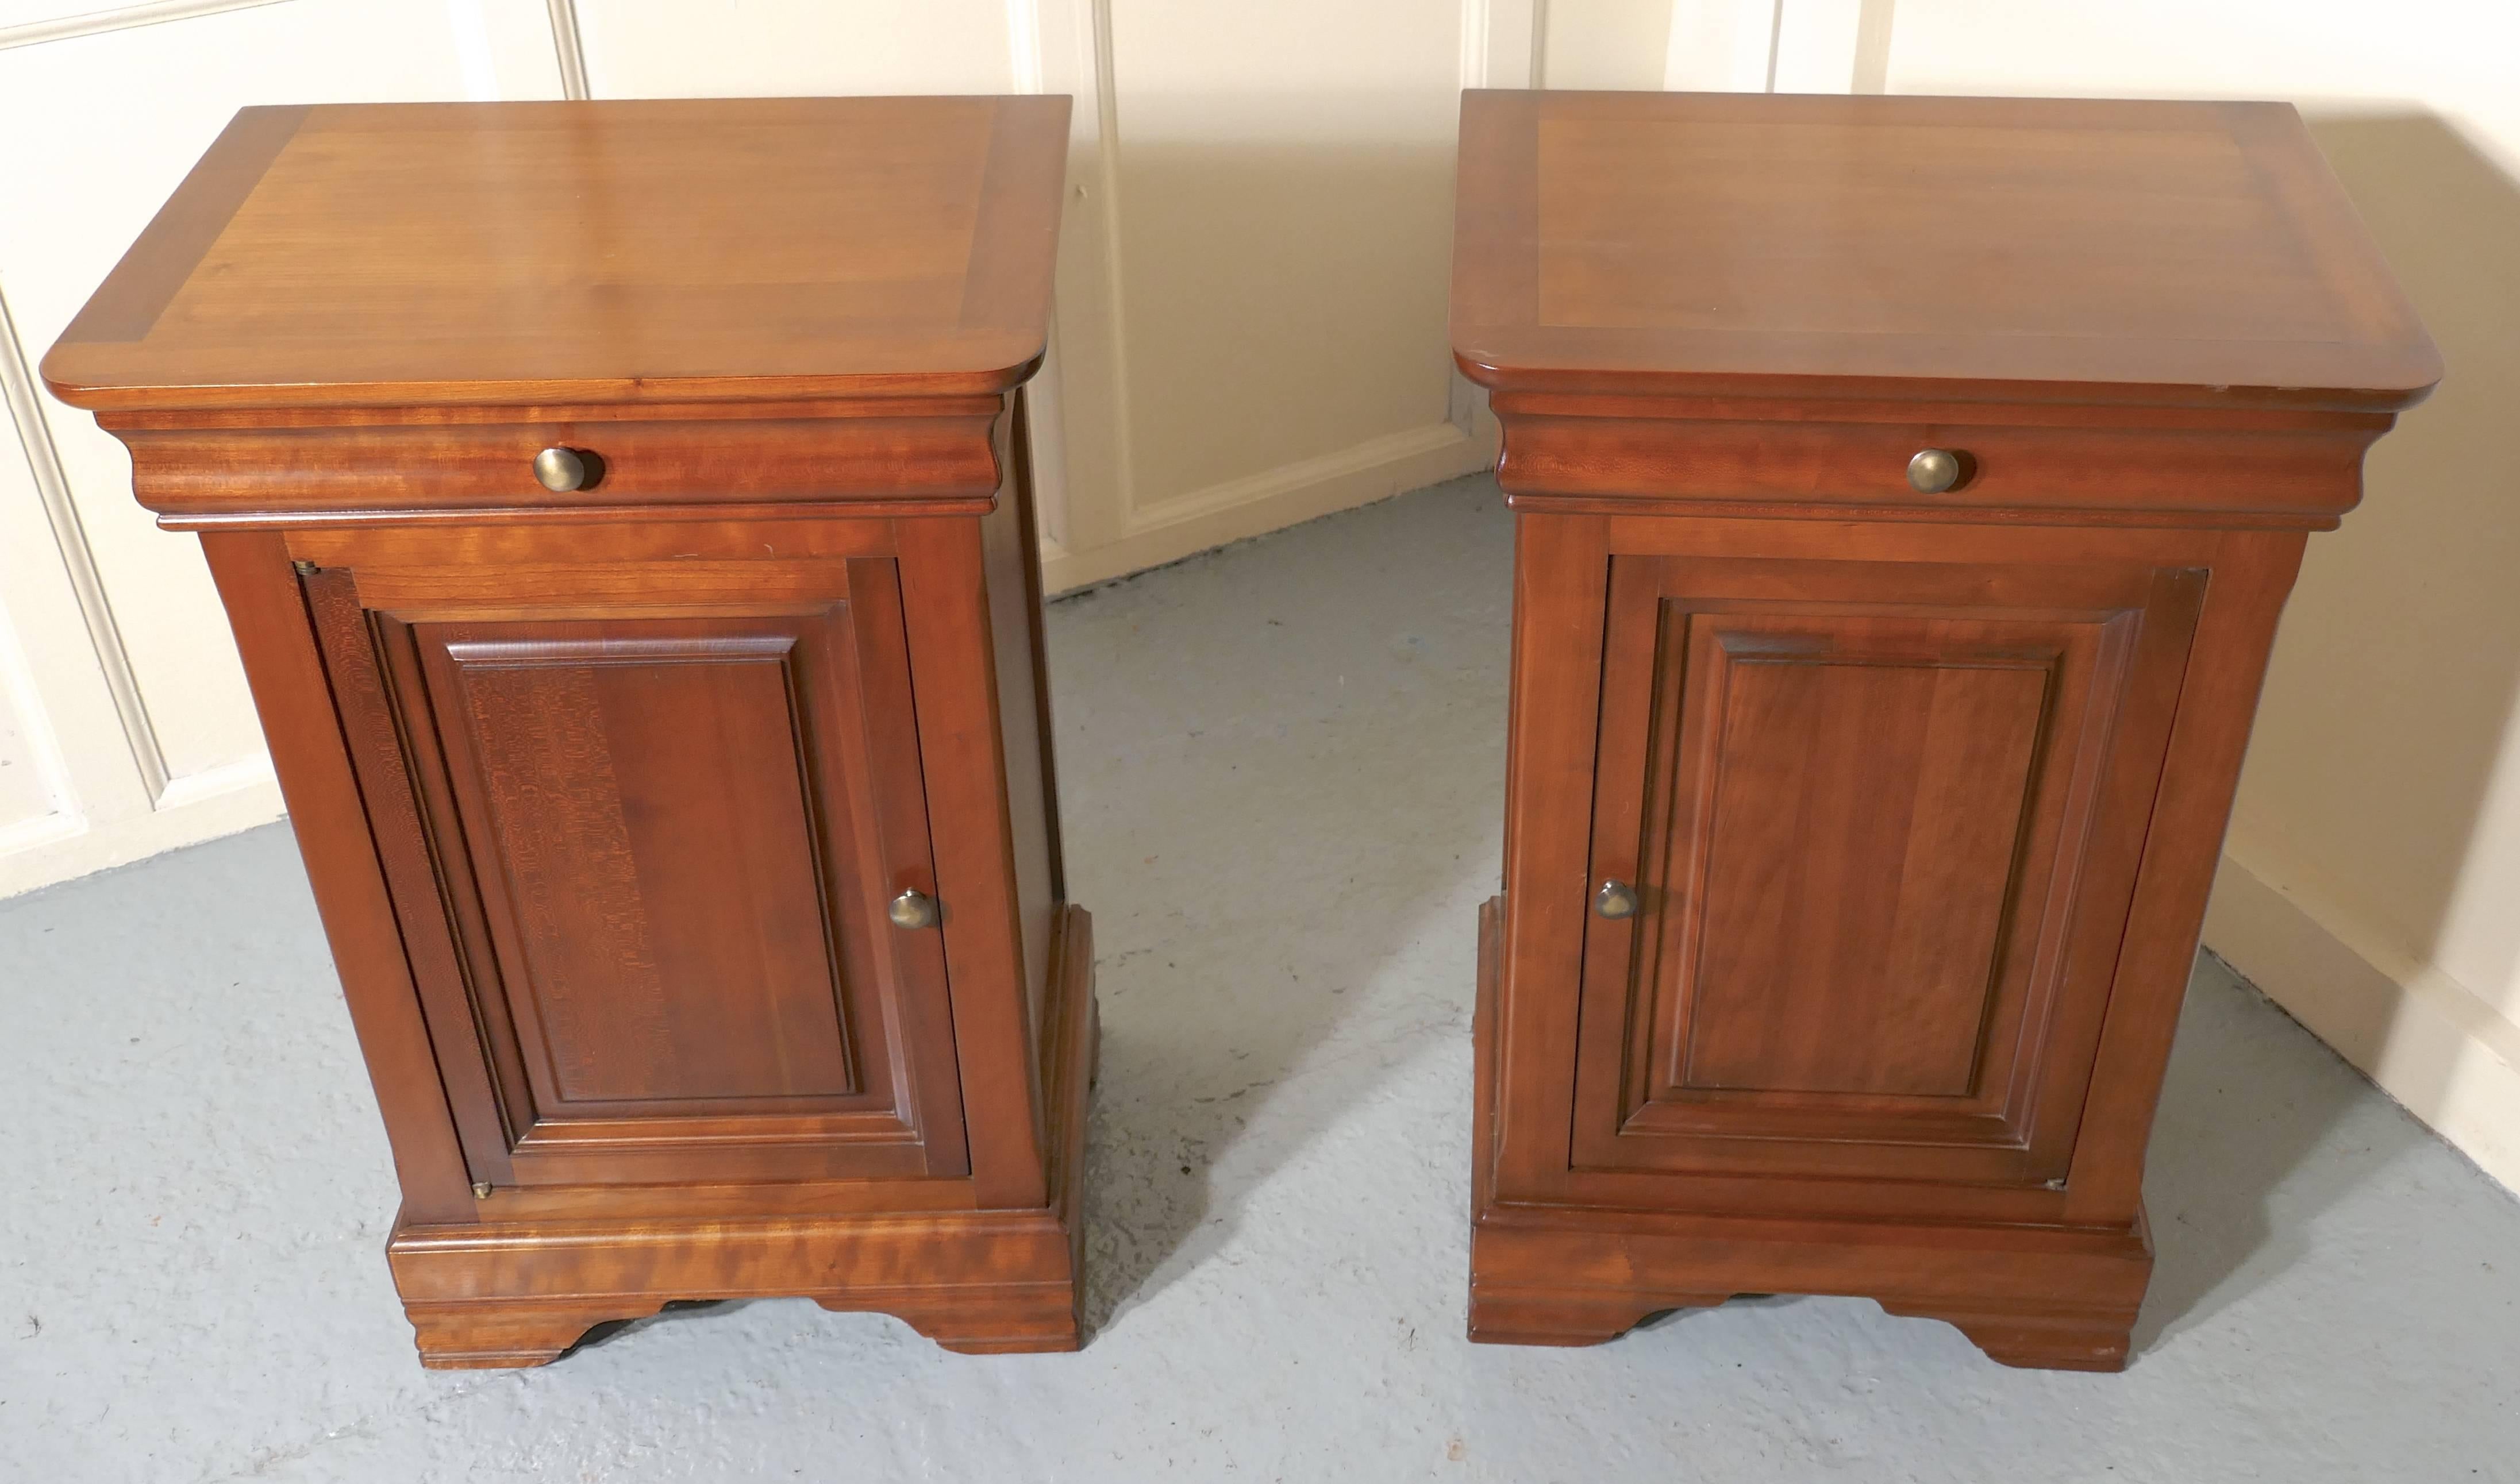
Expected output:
(914, 909)
(1615, 900)
(560, 470)
(1934, 471)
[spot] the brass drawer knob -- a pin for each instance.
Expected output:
(1615, 900)
(1934, 471)
(914, 909)
(560, 470)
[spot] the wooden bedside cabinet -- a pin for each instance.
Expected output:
(1905, 493)
(623, 512)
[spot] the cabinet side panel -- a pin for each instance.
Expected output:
(954, 671)
(1561, 586)
(2252, 574)
(1011, 552)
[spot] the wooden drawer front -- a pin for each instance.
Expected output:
(641, 859)
(921, 452)
(1884, 820)
(2293, 474)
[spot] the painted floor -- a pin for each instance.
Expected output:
(1282, 766)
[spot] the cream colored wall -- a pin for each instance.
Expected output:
(673, 49)
(1249, 331)
(1252, 280)
(2372, 879)
(124, 724)
(1610, 44)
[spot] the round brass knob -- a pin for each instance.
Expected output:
(1615, 900)
(560, 470)
(1934, 471)
(914, 909)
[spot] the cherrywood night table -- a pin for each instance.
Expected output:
(1906, 491)
(623, 512)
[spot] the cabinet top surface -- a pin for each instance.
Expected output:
(586, 253)
(2041, 248)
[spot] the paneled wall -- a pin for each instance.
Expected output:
(124, 725)
(1251, 326)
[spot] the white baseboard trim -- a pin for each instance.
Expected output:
(1283, 496)
(30, 835)
(2429, 1041)
(71, 848)
(214, 782)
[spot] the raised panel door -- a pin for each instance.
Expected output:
(1881, 821)
(642, 856)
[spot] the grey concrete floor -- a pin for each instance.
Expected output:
(1283, 765)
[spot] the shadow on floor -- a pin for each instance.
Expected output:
(1338, 740)
(2242, 1114)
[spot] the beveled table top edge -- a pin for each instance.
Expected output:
(2387, 374)
(98, 364)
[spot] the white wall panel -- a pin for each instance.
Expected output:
(124, 660)
(65, 701)
(1610, 44)
(121, 115)
(1286, 215)
(775, 48)
(1833, 46)
(1721, 46)
(25, 22)
(1272, 186)
(54, 702)
(33, 782)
